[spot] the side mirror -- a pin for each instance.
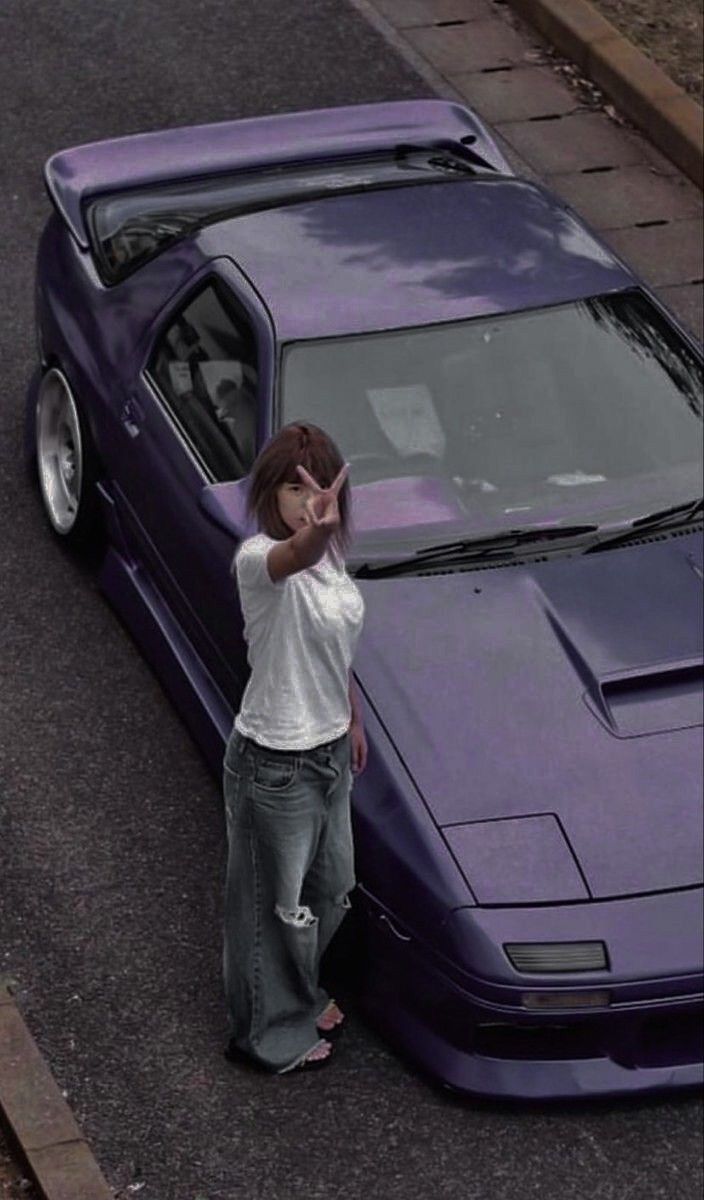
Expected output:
(225, 505)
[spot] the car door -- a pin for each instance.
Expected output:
(195, 415)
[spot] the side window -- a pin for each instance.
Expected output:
(204, 365)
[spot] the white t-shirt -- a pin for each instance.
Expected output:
(301, 634)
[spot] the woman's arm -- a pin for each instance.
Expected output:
(355, 701)
(358, 741)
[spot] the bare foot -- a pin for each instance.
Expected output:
(322, 1050)
(330, 1018)
(316, 1057)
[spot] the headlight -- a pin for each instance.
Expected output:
(545, 957)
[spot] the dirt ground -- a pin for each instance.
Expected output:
(669, 31)
(13, 1184)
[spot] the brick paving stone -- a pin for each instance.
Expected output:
(516, 94)
(572, 143)
(662, 254)
(518, 165)
(628, 196)
(473, 47)
(687, 301)
(649, 153)
(404, 14)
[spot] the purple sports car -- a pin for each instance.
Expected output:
(522, 419)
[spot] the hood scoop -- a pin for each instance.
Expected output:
(634, 640)
(648, 699)
(653, 701)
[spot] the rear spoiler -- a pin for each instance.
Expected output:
(74, 176)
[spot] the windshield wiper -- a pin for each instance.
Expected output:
(473, 548)
(677, 514)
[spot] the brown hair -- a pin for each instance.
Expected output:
(297, 442)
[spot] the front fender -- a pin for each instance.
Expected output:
(30, 413)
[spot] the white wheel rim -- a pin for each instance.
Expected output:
(59, 451)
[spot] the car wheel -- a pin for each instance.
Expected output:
(67, 464)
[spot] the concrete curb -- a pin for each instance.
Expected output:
(638, 87)
(39, 1120)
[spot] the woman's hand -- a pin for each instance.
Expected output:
(358, 748)
(321, 508)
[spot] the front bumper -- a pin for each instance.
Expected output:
(530, 1079)
(468, 1039)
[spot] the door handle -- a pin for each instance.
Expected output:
(131, 416)
(402, 937)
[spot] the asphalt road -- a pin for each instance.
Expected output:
(111, 830)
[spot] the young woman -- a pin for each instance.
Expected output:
(296, 740)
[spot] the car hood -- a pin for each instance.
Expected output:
(549, 716)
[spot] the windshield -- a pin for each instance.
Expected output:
(585, 411)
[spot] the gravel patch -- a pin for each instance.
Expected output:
(670, 33)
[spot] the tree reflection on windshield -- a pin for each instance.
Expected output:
(565, 409)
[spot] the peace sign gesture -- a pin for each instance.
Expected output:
(321, 508)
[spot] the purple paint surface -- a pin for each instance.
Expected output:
(534, 733)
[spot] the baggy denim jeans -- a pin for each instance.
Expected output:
(290, 868)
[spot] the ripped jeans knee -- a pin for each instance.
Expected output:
(301, 917)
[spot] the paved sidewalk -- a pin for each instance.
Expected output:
(560, 130)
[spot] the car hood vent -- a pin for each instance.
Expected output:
(568, 552)
(664, 535)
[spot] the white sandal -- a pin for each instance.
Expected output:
(304, 1063)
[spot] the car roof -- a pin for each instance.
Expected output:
(414, 255)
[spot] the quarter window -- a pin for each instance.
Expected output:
(204, 365)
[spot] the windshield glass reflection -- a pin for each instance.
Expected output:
(589, 410)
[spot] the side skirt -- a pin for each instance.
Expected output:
(188, 684)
